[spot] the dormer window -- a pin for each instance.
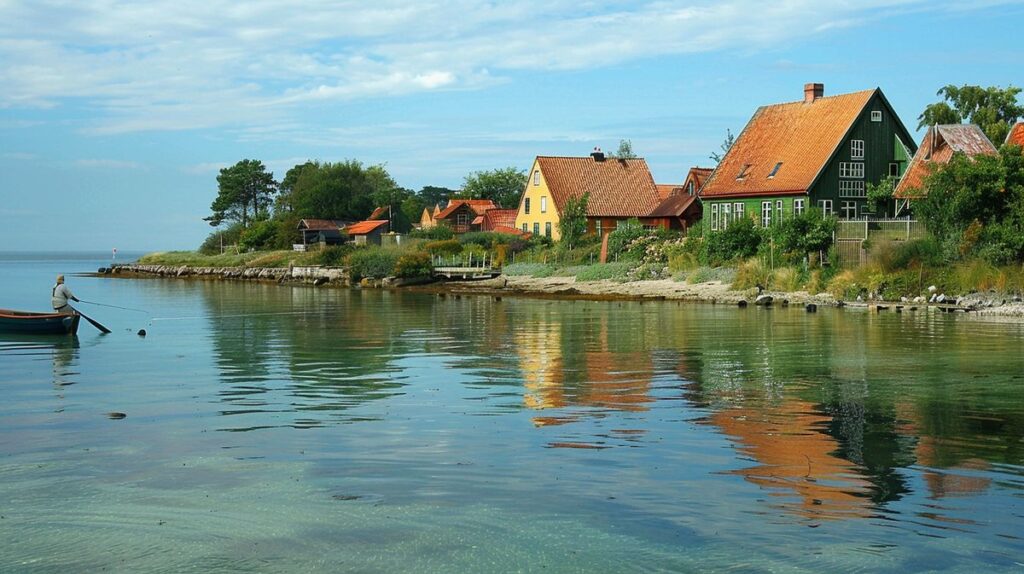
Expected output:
(689, 188)
(775, 170)
(743, 172)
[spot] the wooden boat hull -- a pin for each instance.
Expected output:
(38, 323)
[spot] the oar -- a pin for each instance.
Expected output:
(102, 329)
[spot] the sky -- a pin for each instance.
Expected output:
(115, 116)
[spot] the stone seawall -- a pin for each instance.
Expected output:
(304, 274)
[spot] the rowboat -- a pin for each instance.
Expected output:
(38, 323)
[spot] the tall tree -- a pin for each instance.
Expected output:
(725, 147)
(283, 203)
(502, 186)
(433, 195)
(333, 191)
(993, 109)
(573, 221)
(244, 193)
(625, 150)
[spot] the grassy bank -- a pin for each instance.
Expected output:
(254, 259)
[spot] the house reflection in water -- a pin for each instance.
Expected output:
(587, 382)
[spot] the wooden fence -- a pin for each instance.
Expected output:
(851, 235)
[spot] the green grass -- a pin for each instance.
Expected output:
(254, 259)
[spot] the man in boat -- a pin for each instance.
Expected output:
(60, 296)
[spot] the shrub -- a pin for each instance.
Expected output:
(844, 285)
(415, 264)
(333, 255)
(228, 236)
(751, 273)
(815, 282)
(740, 241)
(529, 269)
(627, 232)
(615, 271)
(439, 232)
(445, 248)
(785, 279)
(257, 236)
(373, 262)
(706, 274)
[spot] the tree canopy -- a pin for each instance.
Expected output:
(502, 186)
(625, 150)
(340, 190)
(573, 221)
(244, 193)
(726, 145)
(993, 109)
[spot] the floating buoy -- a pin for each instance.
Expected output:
(142, 332)
(116, 416)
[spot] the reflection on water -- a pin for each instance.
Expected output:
(277, 424)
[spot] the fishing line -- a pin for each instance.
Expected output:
(114, 306)
(316, 312)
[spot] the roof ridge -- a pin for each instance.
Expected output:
(848, 94)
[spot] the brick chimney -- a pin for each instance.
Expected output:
(597, 154)
(813, 92)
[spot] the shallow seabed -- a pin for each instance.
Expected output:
(293, 429)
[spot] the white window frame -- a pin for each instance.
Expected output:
(852, 188)
(597, 226)
(848, 209)
(851, 169)
(726, 215)
(525, 228)
(798, 207)
(462, 219)
(536, 177)
(779, 209)
(856, 149)
(543, 204)
(737, 211)
(714, 217)
(894, 164)
(689, 187)
(766, 213)
(876, 115)
(825, 205)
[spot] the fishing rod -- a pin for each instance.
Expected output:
(114, 306)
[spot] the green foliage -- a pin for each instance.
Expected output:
(221, 237)
(625, 151)
(333, 255)
(490, 239)
(259, 235)
(994, 109)
(244, 192)
(751, 273)
(287, 231)
(529, 269)
(601, 271)
(740, 241)
(624, 234)
(372, 262)
(879, 196)
(502, 186)
(444, 247)
(706, 274)
(437, 233)
(572, 224)
(796, 236)
(432, 195)
(341, 190)
(414, 264)
(725, 147)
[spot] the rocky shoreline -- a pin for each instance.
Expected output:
(714, 292)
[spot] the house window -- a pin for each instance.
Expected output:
(547, 229)
(544, 204)
(536, 177)
(876, 116)
(726, 214)
(536, 228)
(849, 209)
(737, 211)
(798, 207)
(689, 187)
(743, 172)
(851, 169)
(766, 213)
(525, 229)
(825, 205)
(856, 149)
(775, 170)
(778, 210)
(461, 219)
(852, 188)
(894, 169)
(597, 227)
(714, 217)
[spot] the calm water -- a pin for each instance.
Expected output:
(279, 429)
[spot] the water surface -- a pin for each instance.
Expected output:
(293, 429)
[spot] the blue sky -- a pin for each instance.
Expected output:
(115, 117)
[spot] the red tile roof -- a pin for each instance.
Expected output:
(321, 224)
(801, 135)
(1016, 135)
(617, 187)
(512, 231)
(937, 148)
(479, 206)
(668, 189)
(499, 217)
(674, 205)
(364, 227)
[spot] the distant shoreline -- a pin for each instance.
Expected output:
(562, 288)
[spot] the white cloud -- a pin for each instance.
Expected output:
(191, 64)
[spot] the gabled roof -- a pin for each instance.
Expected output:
(364, 227)
(378, 213)
(674, 205)
(668, 189)
(1016, 135)
(321, 224)
(512, 231)
(617, 187)
(937, 148)
(499, 217)
(479, 206)
(802, 135)
(699, 175)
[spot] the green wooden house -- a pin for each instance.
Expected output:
(820, 152)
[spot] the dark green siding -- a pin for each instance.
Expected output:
(880, 149)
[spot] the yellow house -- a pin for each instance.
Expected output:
(619, 189)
